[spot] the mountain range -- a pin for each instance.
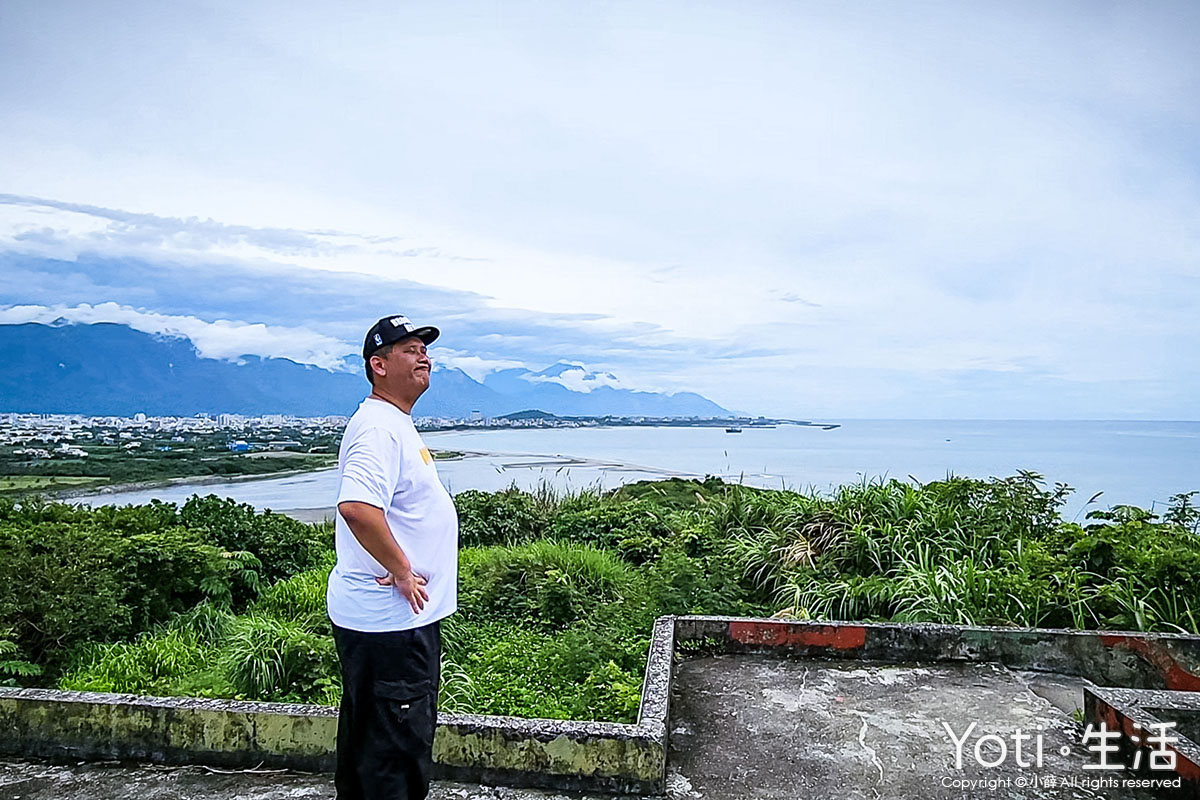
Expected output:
(107, 368)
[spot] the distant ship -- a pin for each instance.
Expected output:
(733, 430)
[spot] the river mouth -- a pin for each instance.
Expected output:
(293, 493)
(1136, 463)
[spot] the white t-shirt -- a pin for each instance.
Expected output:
(383, 462)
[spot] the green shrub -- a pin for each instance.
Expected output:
(965, 551)
(283, 545)
(676, 493)
(543, 583)
(13, 665)
(459, 691)
(209, 652)
(507, 517)
(531, 673)
(1139, 572)
(207, 623)
(637, 530)
(70, 575)
(679, 584)
(555, 621)
(154, 664)
(63, 584)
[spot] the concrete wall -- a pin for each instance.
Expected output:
(552, 753)
(529, 752)
(1127, 659)
(1136, 713)
(96, 726)
(169, 730)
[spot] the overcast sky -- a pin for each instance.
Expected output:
(822, 210)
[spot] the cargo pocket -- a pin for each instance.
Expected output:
(408, 709)
(401, 739)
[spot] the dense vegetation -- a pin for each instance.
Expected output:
(558, 592)
(72, 575)
(99, 456)
(117, 467)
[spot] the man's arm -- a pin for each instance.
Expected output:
(369, 526)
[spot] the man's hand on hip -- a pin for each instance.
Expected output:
(412, 588)
(369, 526)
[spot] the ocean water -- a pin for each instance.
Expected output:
(1139, 463)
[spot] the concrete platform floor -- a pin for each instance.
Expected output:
(747, 727)
(33, 780)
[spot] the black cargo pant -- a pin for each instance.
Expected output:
(388, 712)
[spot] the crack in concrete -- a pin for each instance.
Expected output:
(862, 741)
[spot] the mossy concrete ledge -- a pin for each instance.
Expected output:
(165, 730)
(557, 754)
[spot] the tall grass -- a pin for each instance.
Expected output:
(267, 658)
(153, 664)
(965, 551)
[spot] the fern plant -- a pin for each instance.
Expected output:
(13, 668)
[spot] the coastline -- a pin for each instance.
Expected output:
(528, 461)
(509, 461)
(322, 514)
(1093, 458)
(210, 480)
(199, 480)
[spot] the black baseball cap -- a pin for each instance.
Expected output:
(393, 329)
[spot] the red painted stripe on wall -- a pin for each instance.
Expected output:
(1175, 677)
(778, 634)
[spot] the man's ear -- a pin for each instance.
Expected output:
(378, 366)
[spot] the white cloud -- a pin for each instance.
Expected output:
(579, 379)
(221, 339)
(475, 366)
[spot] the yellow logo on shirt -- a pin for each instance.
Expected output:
(426, 456)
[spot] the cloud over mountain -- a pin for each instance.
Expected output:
(222, 338)
(576, 377)
(107, 368)
(295, 294)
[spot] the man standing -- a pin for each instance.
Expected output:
(396, 576)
